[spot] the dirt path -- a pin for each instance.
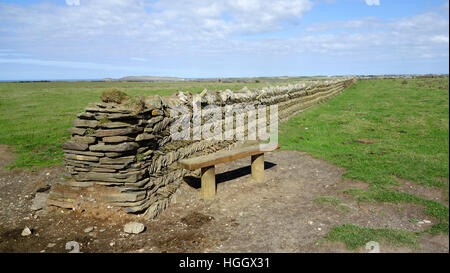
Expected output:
(6, 156)
(278, 215)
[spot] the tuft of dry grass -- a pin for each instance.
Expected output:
(136, 103)
(114, 95)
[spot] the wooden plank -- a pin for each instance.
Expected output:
(223, 156)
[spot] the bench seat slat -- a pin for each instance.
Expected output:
(223, 156)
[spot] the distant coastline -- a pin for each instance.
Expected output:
(62, 80)
(220, 79)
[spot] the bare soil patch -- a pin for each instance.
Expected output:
(432, 193)
(6, 156)
(279, 215)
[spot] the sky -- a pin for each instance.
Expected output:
(95, 39)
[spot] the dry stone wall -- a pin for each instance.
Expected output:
(122, 156)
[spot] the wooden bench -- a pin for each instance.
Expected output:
(207, 164)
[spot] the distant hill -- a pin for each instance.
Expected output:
(224, 80)
(146, 79)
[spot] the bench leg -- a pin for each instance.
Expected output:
(208, 182)
(258, 167)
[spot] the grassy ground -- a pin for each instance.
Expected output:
(381, 131)
(407, 124)
(34, 116)
(355, 237)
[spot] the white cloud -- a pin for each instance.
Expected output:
(142, 27)
(439, 39)
(65, 64)
(73, 2)
(206, 31)
(373, 2)
(185, 20)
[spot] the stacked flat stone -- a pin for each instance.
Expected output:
(111, 145)
(122, 155)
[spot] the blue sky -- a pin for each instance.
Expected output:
(94, 39)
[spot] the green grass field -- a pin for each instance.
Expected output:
(381, 131)
(406, 124)
(34, 116)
